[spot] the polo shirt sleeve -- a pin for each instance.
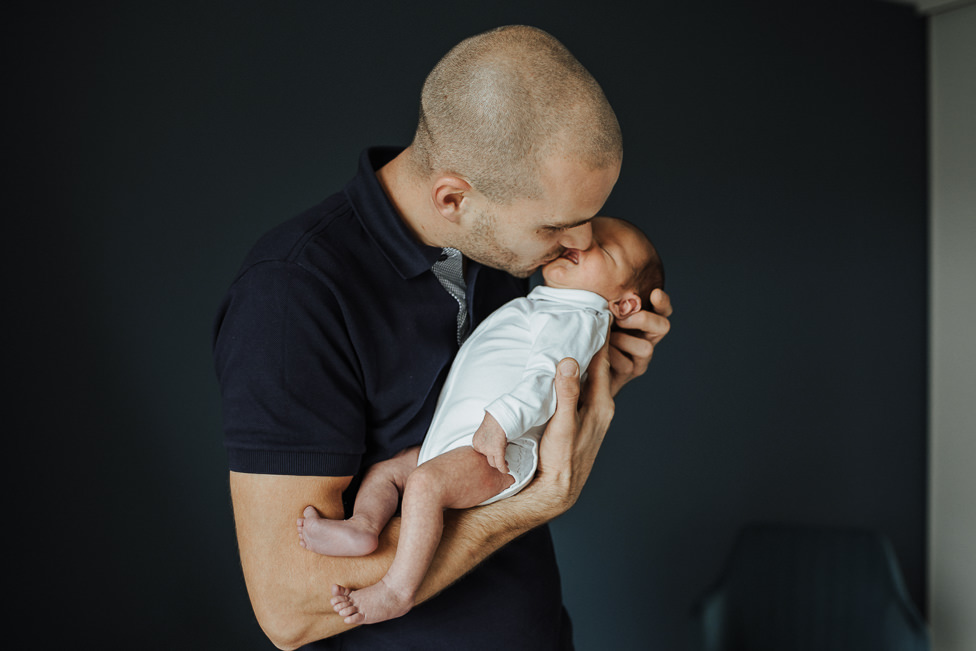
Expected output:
(290, 383)
(532, 402)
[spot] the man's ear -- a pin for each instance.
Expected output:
(623, 307)
(449, 194)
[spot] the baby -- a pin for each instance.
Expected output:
(482, 444)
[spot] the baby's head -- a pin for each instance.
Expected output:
(621, 265)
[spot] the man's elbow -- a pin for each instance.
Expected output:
(284, 631)
(289, 629)
(285, 639)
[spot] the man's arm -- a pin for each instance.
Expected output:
(279, 574)
(290, 588)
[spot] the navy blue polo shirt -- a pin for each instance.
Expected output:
(331, 347)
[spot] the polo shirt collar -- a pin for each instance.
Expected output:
(380, 219)
(575, 297)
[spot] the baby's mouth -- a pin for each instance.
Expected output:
(572, 255)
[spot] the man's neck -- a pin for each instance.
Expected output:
(408, 194)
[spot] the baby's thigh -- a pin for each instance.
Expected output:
(461, 478)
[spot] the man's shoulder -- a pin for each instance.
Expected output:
(286, 241)
(326, 241)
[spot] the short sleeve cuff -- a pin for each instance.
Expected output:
(306, 464)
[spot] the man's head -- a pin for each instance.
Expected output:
(621, 265)
(520, 146)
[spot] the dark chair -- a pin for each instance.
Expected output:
(804, 588)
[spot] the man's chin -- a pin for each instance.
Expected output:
(524, 273)
(539, 266)
(509, 265)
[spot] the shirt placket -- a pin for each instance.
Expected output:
(449, 270)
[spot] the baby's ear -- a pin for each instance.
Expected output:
(623, 307)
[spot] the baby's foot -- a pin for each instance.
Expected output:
(376, 603)
(335, 537)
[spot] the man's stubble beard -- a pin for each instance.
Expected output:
(482, 246)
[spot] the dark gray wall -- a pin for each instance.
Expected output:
(774, 152)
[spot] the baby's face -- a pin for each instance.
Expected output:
(606, 268)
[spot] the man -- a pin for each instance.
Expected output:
(335, 338)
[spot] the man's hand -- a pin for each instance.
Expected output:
(573, 437)
(490, 440)
(631, 351)
(575, 432)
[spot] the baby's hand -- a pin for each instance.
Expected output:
(490, 441)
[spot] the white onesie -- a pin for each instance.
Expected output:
(507, 367)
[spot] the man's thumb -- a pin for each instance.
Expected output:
(567, 386)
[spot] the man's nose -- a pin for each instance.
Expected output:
(580, 237)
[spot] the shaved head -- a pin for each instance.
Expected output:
(503, 102)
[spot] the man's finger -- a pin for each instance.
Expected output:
(620, 363)
(567, 387)
(558, 444)
(636, 347)
(661, 302)
(598, 377)
(652, 327)
(567, 397)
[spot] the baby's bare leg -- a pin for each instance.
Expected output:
(458, 479)
(376, 503)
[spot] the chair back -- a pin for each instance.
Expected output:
(805, 588)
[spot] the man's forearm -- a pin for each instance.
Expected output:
(472, 535)
(290, 587)
(469, 537)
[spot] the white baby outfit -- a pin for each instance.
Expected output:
(507, 367)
